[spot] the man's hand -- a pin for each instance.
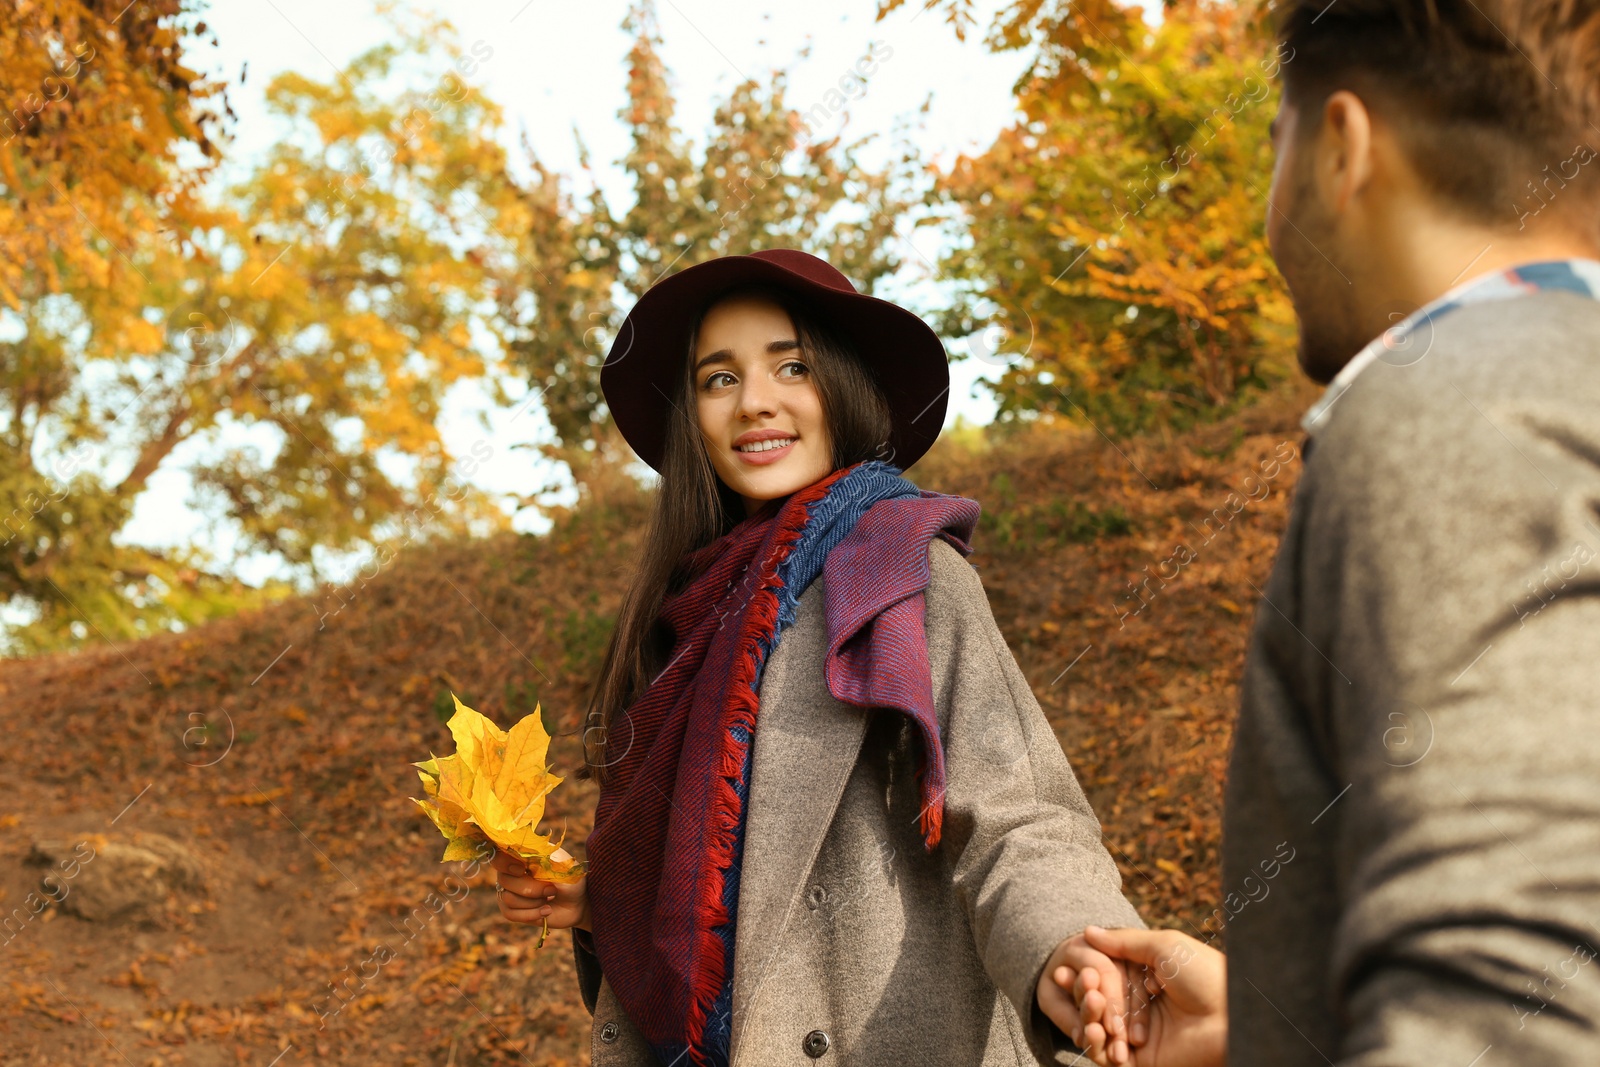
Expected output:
(1185, 1023)
(1096, 1024)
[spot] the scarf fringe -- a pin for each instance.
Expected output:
(931, 821)
(726, 809)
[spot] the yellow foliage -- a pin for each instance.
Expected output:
(493, 789)
(331, 296)
(1116, 232)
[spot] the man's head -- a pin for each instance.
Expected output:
(1421, 142)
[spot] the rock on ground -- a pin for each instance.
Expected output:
(135, 880)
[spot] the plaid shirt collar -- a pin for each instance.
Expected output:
(1410, 339)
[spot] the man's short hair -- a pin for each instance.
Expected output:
(1497, 100)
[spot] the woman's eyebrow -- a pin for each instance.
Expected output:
(725, 355)
(722, 355)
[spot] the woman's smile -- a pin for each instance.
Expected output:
(764, 446)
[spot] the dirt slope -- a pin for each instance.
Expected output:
(277, 747)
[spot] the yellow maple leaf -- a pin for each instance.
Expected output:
(491, 790)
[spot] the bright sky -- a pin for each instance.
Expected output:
(558, 67)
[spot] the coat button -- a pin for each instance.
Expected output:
(816, 1043)
(608, 1033)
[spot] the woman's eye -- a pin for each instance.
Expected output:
(711, 381)
(801, 368)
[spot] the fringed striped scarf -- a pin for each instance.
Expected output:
(665, 854)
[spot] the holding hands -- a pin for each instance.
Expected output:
(1076, 969)
(1146, 998)
(1128, 998)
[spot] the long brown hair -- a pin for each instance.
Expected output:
(693, 507)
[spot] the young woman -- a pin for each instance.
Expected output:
(833, 821)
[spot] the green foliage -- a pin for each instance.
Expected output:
(444, 704)
(1055, 522)
(762, 179)
(522, 698)
(585, 631)
(1112, 241)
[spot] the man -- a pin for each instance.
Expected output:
(1420, 724)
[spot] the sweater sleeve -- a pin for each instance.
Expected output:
(1456, 554)
(1024, 847)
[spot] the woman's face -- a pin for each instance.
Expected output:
(757, 403)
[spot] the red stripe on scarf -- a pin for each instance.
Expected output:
(743, 702)
(740, 706)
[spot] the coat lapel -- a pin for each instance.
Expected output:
(806, 744)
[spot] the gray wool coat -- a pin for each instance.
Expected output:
(855, 946)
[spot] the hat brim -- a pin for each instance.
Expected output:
(641, 370)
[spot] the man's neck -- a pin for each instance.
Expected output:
(1439, 257)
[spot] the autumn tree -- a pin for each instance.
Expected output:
(1109, 246)
(291, 355)
(105, 137)
(765, 177)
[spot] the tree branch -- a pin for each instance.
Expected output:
(155, 450)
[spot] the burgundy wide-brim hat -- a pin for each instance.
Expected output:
(651, 349)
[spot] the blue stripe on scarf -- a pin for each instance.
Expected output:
(830, 521)
(1555, 274)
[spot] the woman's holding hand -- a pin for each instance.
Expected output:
(1074, 968)
(526, 899)
(1181, 1021)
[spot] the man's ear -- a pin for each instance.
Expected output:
(1343, 165)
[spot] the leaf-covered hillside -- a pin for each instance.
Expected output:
(278, 747)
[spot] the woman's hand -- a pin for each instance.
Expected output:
(1098, 1024)
(1186, 1021)
(524, 898)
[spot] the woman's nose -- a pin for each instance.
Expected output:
(757, 397)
